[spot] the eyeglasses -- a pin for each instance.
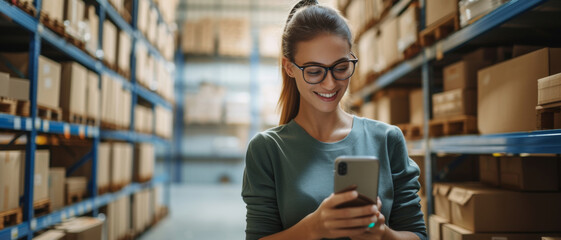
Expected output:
(343, 70)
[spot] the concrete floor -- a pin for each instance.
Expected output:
(202, 211)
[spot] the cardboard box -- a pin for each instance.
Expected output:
(41, 176)
(55, 10)
(57, 179)
(82, 228)
(439, 9)
(152, 26)
(143, 10)
(453, 232)
(10, 165)
(76, 185)
(509, 90)
(482, 209)
(124, 47)
(48, 89)
(51, 235)
(392, 108)
(109, 42)
(549, 89)
(455, 77)
(144, 162)
(234, 37)
(103, 160)
(92, 35)
(489, 172)
(440, 192)
(73, 88)
(435, 227)
(389, 53)
(207, 36)
(73, 15)
(14, 88)
(408, 28)
(452, 103)
(116, 164)
(416, 107)
(93, 93)
(127, 159)
(529, 173)
(463, 74)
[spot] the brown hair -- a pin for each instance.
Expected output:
(306, 21)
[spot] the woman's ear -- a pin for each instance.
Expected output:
(287, 65)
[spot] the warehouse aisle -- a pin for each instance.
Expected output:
(202, 211)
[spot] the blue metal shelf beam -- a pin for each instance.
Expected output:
(133, 137)
(77, 209)
(116, 17)
(547, 141)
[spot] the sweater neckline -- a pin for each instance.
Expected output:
(343, 143)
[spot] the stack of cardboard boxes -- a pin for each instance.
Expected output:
(115, 104)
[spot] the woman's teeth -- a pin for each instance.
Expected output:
(327, 95)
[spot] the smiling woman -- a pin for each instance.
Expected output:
(288, 178)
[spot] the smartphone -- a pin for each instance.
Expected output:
(360, 173)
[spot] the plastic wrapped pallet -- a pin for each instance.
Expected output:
(73, 89)
(10, 178)
(470, 10)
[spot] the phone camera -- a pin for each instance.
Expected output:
(342, 168)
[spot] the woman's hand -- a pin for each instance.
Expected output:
(330, 222)
(378, 231)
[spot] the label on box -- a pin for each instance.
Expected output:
(14, 233)
(37, 123)
(46, 126)
(28, 125)
(17, 123)
(33, 224)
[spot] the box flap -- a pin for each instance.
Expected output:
(460, 195)
(441, 189)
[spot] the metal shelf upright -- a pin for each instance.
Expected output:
(31, 126)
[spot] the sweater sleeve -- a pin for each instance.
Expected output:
(259, 192)
(406, 210)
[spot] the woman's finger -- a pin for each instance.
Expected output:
(336, 199)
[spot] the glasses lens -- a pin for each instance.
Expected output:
(314, 74)
(343, 70)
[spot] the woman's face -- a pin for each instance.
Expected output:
(324, 50)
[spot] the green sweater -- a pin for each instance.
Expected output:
(288, 173)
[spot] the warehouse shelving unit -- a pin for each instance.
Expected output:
(483, 32)
(31, 126)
